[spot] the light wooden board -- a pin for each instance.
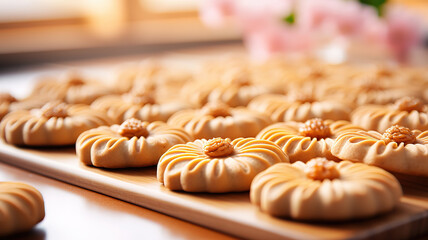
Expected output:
(229, 213)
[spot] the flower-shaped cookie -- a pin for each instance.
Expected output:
(398, 149)
(132, 144)
(217, 119)
(323, 190)
(53, 125)
(5, 101)
(136, 104)
(21, 207)
(407, 112)
(73, 89)
(237, 89)
(217, 165)
(304, 141)
(369, 90)
(282, 109)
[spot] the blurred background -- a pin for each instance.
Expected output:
(55, 30)
(40, 31)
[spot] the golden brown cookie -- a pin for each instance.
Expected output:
(140, 105)
(237, 88)
(21, 207)
(304, 141)
(219, 120)
(364, 90)
(73, 88)
(54, 124)
(281, 109)
(132, 144)
(5, 101)
(407, 112)
(217, 165)
(398, 149)
(322, 190)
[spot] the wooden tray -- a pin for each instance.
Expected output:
(230, 213)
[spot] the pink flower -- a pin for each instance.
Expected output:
(272, 41)
(214, 12)
(316, 21)
(373, 28)
(255, 14)
(403, 31)
(331, 16)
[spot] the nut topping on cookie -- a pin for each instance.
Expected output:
(140, 98)
(218, 147)
(409, 104)
(133, 128)
(315, 128)
(399, 135)
(321, 168)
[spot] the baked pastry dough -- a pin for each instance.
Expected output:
(217, 119)
(281, 109)
(5, 101)
(237, 88)
(132, 144)
(74, 89)
(53, 125)
(407, 112)
(324, 190)
(304, 141)
(217, 165)
(369, 90)
(21, 207)
(398, 149)
(166, 79)
(140, 105)
(234, 86)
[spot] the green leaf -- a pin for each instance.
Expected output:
(290, 19)
(377, 4)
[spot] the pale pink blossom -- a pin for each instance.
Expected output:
(374, 29)
(331, 16)
(214, 12)
(255, 14)
(317, 22)
(403, 31)
(272, 41)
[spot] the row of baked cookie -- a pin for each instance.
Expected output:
(221, 165)
(236, 84)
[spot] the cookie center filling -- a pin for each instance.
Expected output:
(74, 79)
(399, 135)
(54, 109)
(238, 78)
(133, 128)
(370, 85)
(313, 73)
(321, 168)
(409, 104)
(218, 147)
(383, 71)
(140, 98)
(216, 109)
(7, 98)
(315, 128)
(302, 97)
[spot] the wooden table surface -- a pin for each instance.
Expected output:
(76, 213)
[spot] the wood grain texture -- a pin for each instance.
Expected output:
(231, 213)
